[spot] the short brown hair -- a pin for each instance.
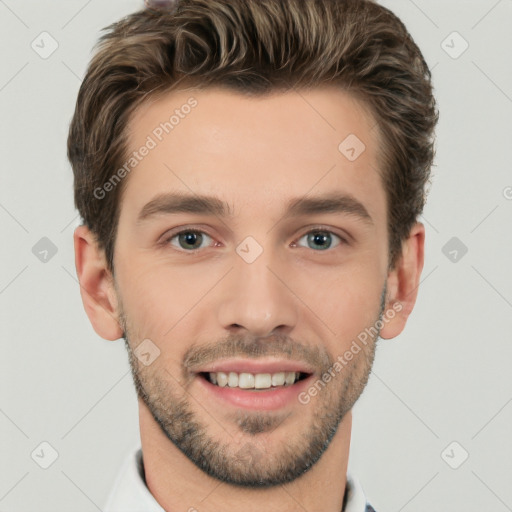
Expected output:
(256, 47)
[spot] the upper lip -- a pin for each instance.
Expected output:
(255, 366)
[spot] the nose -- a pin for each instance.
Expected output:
(257, 298)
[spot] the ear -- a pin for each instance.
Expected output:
(96, 285)
(403, 282)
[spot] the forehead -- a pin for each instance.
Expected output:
(239, 147)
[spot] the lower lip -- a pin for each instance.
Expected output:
(267, 400)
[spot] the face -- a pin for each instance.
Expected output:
(251, 253)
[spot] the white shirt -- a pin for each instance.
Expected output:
(131, 494)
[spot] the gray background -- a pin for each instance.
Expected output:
(446, 379)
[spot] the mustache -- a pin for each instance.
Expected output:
(254, 347)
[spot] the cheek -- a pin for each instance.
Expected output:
(158, 296)
(146, 297)
(347, 300)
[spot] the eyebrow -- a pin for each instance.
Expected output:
(331, 203)
(173, 203)
(181, 203)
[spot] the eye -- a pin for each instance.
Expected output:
(190, 240)
(320, 239)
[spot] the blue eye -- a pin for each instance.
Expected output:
(321, 240)
(190, 240)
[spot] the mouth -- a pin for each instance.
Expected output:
(256, 385)
(254, 381)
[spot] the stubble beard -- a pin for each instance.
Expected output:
(248, 462)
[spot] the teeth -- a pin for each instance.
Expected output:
(253, 381)
(278, 379)
(222, 379)
(262, 380)
(289, 377)
(233, 380)
(246, 381)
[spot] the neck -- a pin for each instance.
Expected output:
(177, 484)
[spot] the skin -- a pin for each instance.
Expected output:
(255, 154)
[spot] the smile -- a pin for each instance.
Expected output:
(260, 385)
(258, 381)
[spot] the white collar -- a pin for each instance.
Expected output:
(130, 493)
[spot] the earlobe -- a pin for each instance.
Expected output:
(403, 282)
(96, 285)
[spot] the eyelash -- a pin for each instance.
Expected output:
(319, 229)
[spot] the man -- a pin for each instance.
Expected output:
(250, 174)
